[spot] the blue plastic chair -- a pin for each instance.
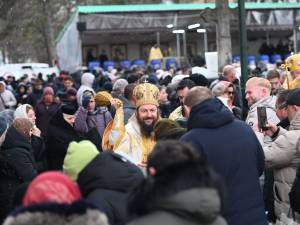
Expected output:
(156, 63)
(93, 64)
(264, 58)
(251, 59)
(108, 64)
(236, 59)
(125, 64)
(171, 63)
(139, 62)
(276, 58)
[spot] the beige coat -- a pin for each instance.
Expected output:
(283, 155)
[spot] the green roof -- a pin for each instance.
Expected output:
(179, 7)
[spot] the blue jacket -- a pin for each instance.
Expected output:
(233, 151)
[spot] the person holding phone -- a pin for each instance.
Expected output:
(258, 92)
(282, 154)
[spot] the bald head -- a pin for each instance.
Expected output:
(229, 73)
(196, 95)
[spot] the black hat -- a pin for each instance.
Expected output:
(293, 97)
(68, 109)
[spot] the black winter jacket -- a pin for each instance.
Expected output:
(59, 136)
(17, 166)
(233, 151)
(106, 182)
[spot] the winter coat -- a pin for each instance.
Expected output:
(59, 136)
(233, 151)
(87, 81)
(7, 99)
(106, 181)
(44, 114)
(78, 213)
(34, 97)
(85, 120)
(17, 166)
(183, 195)
(269, 103)
(283, 155)
(19, 153)
(39, 153)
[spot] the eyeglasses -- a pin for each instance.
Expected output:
(230, 92)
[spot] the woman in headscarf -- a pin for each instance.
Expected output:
(26, 111)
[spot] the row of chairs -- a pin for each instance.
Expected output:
(126, 64)
(261, 58)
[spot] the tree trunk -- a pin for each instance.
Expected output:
(223, 33)
(49, 33)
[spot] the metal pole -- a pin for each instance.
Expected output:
(243, 43)
(178, 47)
(158, 38)
(184, 46)
(205, 42)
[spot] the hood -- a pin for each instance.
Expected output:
(197, 204)
(210, 113)
(58, 121)
(87, 79)
(77, 213)
(189, 190)
(21, 111)
(109, 171)
(268, 102)
(14, 139)
(295, 123)
(4, 84)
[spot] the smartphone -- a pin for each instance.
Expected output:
(262, 118)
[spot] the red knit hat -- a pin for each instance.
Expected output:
(52, 187)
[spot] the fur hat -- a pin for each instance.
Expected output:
(79, 155)
(145, 94)
(103, 98)
(23, 126)
(168, 129)
(52, 187)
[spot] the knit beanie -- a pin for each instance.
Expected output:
(48, 91)
(52, 187)
(79, 155)
(23, 126)
(166, 129)
(103, 98)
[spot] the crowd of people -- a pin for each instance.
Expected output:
(145, 146)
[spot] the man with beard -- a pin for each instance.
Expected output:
(137, 141)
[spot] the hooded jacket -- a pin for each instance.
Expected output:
(7, 99)
(183, 195)
(87, 81)
(78, 213)
(233, 151)
(106, 182)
